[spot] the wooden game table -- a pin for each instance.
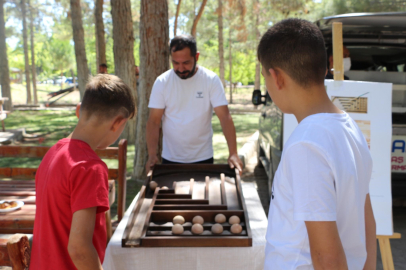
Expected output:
(250, 257)
(22, 220)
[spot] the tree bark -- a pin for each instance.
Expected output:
(124, 61)
(221, 41)
(154, 55)
(176, 18)
(230, 63)
(257, 84)
(100, 40)
(4, 70)
(197, 18)
(33, 66)
(80, 51)
(26, 60)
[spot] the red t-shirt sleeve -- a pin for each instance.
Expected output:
(89, 186)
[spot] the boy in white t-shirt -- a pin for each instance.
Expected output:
(320, 215)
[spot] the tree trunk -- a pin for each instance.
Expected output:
(4, 71)
(73, 79)
(100, 40)
(257, 84)
(230, 63)
(26, 60)
(221, 41)
(154, 55)
(80, 51)
(123, 49)
(197, 18)
(176, 18)
(33, 66)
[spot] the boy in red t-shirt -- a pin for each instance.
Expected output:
(71, 182)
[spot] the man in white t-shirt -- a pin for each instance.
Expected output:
(320, 216)
(183, 99)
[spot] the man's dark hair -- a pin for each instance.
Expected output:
(107, 95)
(178, 43)
(297, 47)
(103, 65)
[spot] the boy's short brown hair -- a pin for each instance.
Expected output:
(297, 47)
(107, 95)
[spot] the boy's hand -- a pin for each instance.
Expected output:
(234, 161)
(80, 247)
(152, 160)
(326, 249)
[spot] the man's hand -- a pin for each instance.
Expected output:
(235, 162)
(80, 246)
(152, 160)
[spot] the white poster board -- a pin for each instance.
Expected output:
(370, 105)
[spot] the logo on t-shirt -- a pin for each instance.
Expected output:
(199, 94)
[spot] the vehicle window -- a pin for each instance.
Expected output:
(377, 58)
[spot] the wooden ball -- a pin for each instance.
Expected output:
(234, 220)
(153, 185)
(217, 228)
(197, 228)
(164, 187)
(198, 220)
(236, 229)
(178, 220)
(220, 218)
(177, 229)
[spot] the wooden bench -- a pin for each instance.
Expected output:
(15, 252)
(19, 184)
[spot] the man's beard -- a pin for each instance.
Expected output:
(187, 73)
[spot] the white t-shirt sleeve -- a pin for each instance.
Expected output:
(157, 99)
(217, 95)
(311, 177)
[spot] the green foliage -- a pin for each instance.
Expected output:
(54, 46)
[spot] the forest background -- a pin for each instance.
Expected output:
(243, 22)
(65, 38)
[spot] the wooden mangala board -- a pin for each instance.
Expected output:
(193, 190)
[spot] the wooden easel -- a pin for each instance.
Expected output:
(384, 240)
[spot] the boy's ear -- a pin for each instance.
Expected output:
(78, 109)
(277, 77)
(197, 56)
(118, 122)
